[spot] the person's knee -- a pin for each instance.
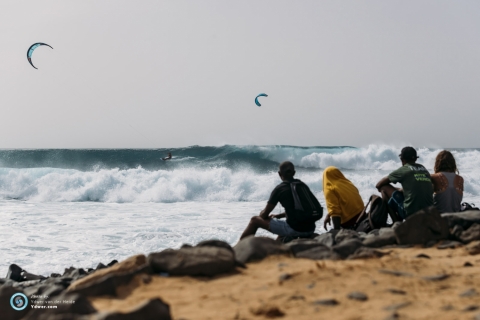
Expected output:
(255, 220)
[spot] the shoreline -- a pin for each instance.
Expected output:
(424, 267)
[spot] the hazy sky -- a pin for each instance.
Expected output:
(177, 73)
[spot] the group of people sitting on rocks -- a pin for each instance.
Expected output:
(420, 189)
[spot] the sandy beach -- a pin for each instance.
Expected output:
(407, 283)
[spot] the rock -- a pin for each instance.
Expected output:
(395, 273)
(44, 289)
(468, 264)
(356, 295)
(154, 309)
(197, 261)
(347, 247)
(384, 238)
(299, 245)
(396, 291)
(215, 243)
(113, 262)
(106, 285)
(26, 284)
(367, 253)
(471, 234)
(55, 275)
(6, 310)
(284, 276)
(80, 306)
(470, 308)
(327, 239)
(257, 248)
(422, 256)
(14, 273)
(449, 244)
(422, 227)
(374, 232)
(7, 282)
(469, 293)
(74, 273)
(397, 306)
(438, 277)
(464, 219)
(319, 253)
(392, 316)
(100, 266)
(346, 234)
(128, 265)
(269, 311)
(456, 231)
(26, 276)
(473, 247)
(326, 302)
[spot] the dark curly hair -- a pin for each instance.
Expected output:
(445, 162)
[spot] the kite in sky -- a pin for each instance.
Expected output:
(260, 95)
(32, 48)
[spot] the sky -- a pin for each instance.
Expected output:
(161, 74)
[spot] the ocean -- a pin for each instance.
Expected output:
(62, 208)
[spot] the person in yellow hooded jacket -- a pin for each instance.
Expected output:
(342, 198)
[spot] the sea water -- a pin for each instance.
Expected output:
(62, 208)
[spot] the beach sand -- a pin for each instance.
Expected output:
(288, 288)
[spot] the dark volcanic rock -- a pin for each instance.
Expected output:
(78, 305)
(319, 253)
(367, 253)
(471, 234)
(6, 310)
(469, 293)
(464, 219)
(456, 232)
(112, 263)
(449, 244)
(14, 273)
(299, 245)
(438, 277)
(346, 234)
(422, 227)
(74, 273)
(257, 248)
(347, 247)
(327, 239)
(196, 261)
(44, 289)
(154, 309)
(385, 237)
(100, 266)
(396, 291)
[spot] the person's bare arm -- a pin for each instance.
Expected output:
(383, 182)
(265, 212)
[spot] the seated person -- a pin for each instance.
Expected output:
(447, 184)
(283, 194)
(342, 198)
(417, 192)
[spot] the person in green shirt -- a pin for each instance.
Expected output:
(417, 192)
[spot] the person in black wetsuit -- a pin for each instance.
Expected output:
(283, 194)
(168, 157)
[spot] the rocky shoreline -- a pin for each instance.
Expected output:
(132, 289)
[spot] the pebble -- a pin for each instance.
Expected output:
(397, 306)
(396, 291)
(395, 273)
(438, 277)
(326, 302)
(356, 295)
(422, 255)
(469, 293)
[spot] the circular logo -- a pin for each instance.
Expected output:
(19, 301)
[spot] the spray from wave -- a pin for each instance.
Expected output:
(229, 173)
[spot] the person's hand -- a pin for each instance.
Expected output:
(327, 221)
(273, 216)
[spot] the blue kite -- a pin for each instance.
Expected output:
(260, 95)
(32, 48)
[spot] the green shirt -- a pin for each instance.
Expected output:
(417, 186)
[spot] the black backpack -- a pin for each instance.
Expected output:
(375, 218)
(468, 206)
(307, 207)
